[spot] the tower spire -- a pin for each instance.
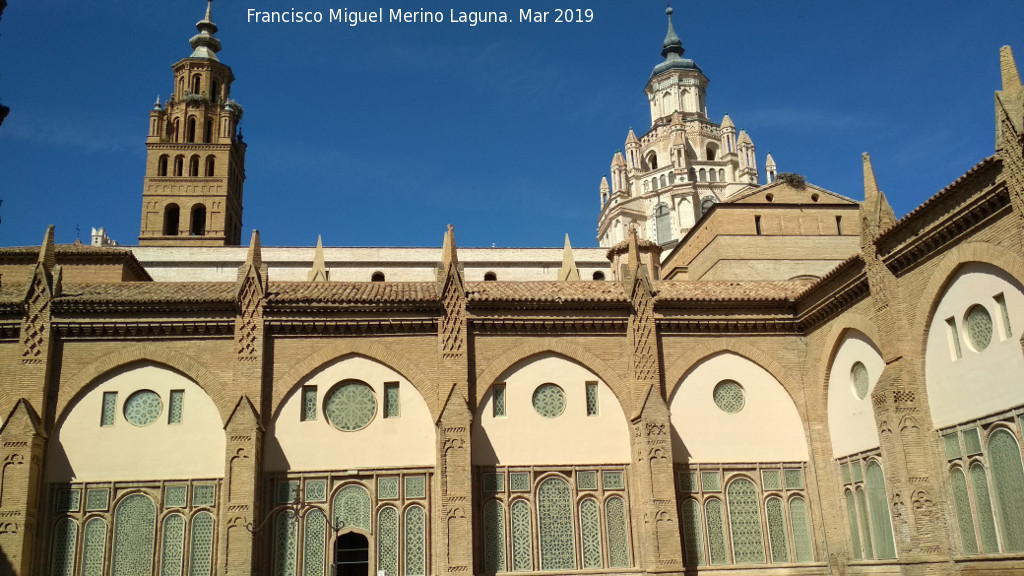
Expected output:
(672, 43)
(204, 44)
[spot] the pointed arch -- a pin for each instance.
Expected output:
(679, 369)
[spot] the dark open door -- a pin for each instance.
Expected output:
(351, 555)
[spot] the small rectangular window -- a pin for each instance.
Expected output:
(109, 409)
(1007, 329)
(177, 408)
(839, 225)
(391, 405)
(757, 224)
(954, 338)
(308, 403)
(951, 442)
(591, 398)
(498, 401)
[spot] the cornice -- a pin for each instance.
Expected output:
(551, 326)
(133, 329)
(305, 327)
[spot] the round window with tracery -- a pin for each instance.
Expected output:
(549, 400)
(859, 376)
(729, 396)
(979, 327)
(350, 406)
(143, 408)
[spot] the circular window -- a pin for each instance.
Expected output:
(979, 327)
(860, 379)
(549, 400)
(350, 406)
(728, 396)
(143, 408)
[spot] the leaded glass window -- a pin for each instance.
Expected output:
(201, 549)
(716, 531)
(387, 540)
(860, 379)
(415, 487)
(853, 525)
(613, 480)
(771, 479)
(951, 443)
(97, 499)
(415, 542)
(728, 396)
(143, 408)
(172, 546)
(494, 482)
(499, 400)
(134, 532)
(286, 544)
(972, 441)
(549, 400)
(844, 473)
(554, 514)
(352, 506)
(392, 407)
(494, 537)
(865, 527)
(979, 327)
(519, 481)
(711, 481)
(176, 407)
(591, 398)
(287, 491)
(203, 494)
(69, 500)
(109, 409)
(175, 496)
(693, 532)
(65, 537)
(745, 522)
(522, 537)
(881, 526)
(94, 548)
(687, 482)
(983, 504)
(962, 504)
(778, 541)
(350, 406)
(800, 523)
(314, 543)
(586, 480)
(590, 534)
(794, 479)
(316, 491)
(309, 404)
(857, 471)
(1008, 481)
(387, 488)
(618, 536)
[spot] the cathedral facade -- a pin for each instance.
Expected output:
(747, 378)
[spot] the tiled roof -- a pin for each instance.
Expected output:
(352, 292)
(149, 292)
(545, 292)
(67, 253)
(722, 291)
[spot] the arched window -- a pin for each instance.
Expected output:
(494, 537)
(94, 548)
(983, 503)
(618, 537)
(286, 543)
(172, 544)
(599, 275)
(712, 175)
(778, 539)
(352, 506)
(195, 83)
(201, 549)
(177, 130)
(161, 168)
(703, 174)
(653, 161)
(745, 522)
(377, 277)
(208, 131)
(490, 277)
(181, 87)
(387, 540)
(654, 183)
(415, 542)
(710, 151)
(962, 505)
(65, 536)
(590, 534)
(881, 526)
(800, 524)
(171, 216)
(717, 552)
(191, 131)
(693, 532)
(663, 180)
(1008, 482)
(557, 536)
(193, 166)
(210, 165)
(663, 223)
(721, 174)
(314, 543)
(215, 91)
(179, 165)
(522, 537)
(134, 535)
(853, 525)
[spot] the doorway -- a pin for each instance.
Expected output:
(351, 555)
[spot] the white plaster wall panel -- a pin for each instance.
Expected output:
(977, 383)
(851, 420)
(407, 440)
(523, 437)
(82, 450)
(767, 429)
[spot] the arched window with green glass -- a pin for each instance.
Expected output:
(94, 547)
(590, 534)
(65, 538)
(554, 517)
(314, 543)
(134, 535)
(854, 526)
(692, 532)
(618, 534)
(778, 535)
(962, 506)
(387, 540)
(415, 541)
(878, 502)
(522, 537)
(494, 537)
(201, 548)
(286, 535)
(983, 504)
(800, 524)
(745, 522)
(717, 548)
(172, 546)
(1008, 481)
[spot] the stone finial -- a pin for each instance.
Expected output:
(604, 185)
(255, 255)
(631, 138)
(449, 255)
(205, 44)
(48, 251)
(727, 122)
(569, 271)
(618, 159)
(876, 214)
(672, 46)
(319, 271)
(1008, 70)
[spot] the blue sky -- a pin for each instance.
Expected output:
(382, 134)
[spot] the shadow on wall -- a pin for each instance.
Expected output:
(679, 452)
(6, 569)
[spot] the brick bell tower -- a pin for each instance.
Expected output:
(195, 162)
